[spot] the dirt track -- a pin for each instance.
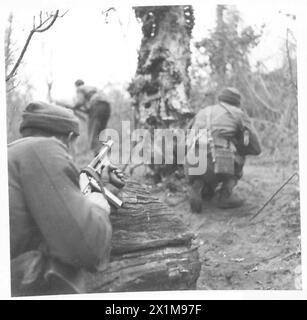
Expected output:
(239, 254)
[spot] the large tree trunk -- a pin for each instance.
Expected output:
(161, 86)
(151, 248)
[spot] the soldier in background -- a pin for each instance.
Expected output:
(92, 102)
(231, 137)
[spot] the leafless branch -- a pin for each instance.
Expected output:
(13, 86)
(42, 26)
(106, 14)
(49, 86)
(62, 15)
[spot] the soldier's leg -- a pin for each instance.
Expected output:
(225, 197)
(89, 130)
(195, 194)
(94, 138)
(202, 187)
(92, 128)
(100, 113)
(210, 180)
(208, 191)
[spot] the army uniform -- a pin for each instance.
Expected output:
(231, 130)
(98, 111)
(49, 215)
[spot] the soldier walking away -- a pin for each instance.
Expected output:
(230, 138)
(92, 102)
(55, 230)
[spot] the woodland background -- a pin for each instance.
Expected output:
(175, 75)
(222, 57)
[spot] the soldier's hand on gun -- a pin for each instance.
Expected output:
(116, 176)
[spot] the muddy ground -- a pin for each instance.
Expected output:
(237, 253)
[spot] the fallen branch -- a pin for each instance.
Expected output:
(274, 194)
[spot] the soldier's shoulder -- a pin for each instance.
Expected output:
(88, 89)
(26, 145)
(204, 110)
(99, 96)
(235, 111)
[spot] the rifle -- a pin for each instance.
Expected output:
(93, 172)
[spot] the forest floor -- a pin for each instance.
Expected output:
(237, 253)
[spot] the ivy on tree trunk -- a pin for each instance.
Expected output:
(161, 87)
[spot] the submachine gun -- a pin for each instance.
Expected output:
(91, 175)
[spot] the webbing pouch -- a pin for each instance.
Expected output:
(224, 162)
(222, 152)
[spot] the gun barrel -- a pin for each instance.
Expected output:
(103, 151)
(113, 199)
(96, 164)
(109, 195)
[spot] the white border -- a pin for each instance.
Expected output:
(4, 216)
(187, 295)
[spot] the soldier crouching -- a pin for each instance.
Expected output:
(230, 138)
(56, 231)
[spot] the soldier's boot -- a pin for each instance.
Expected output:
(225, 199)
(195, 195)
(208, 192)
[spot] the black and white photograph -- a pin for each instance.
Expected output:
(152, 147)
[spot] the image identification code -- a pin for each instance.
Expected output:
(175, 309)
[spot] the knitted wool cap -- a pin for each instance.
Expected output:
(43, 116)
(231, 96)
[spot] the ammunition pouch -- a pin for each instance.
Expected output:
(223, 156)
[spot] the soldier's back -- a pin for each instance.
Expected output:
(223, 121)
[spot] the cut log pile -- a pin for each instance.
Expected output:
(151, 248)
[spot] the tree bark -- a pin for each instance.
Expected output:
(161, 86)
(151, 248)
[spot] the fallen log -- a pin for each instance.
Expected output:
(151, 248)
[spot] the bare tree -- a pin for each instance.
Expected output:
(41, 24)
